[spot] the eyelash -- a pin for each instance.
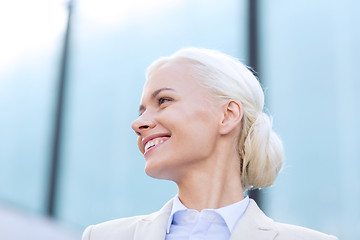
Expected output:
(163, 100)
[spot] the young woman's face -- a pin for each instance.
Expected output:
(178, 123)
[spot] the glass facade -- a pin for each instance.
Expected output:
(308, 58)
(30, 48)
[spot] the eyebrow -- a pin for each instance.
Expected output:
(154, 94)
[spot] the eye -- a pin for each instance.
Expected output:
(163, 100)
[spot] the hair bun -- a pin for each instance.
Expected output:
(262, 154)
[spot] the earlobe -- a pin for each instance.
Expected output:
(232, 115)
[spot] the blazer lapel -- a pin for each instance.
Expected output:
(254, 225)
(153, 226)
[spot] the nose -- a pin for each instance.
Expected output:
(142, 123)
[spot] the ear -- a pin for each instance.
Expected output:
(232, 115)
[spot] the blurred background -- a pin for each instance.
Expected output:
(71, 76)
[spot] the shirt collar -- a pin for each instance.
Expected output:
(231, 213)
(176, 207)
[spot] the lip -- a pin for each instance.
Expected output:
(151, 137)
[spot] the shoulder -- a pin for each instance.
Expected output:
(124, 227)
(255, 222)
(288, 231)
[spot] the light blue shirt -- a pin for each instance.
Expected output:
(209, 224)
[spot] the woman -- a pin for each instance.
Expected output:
(202, 125)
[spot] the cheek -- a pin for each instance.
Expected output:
(197, 134)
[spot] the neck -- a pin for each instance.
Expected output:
(213, 185)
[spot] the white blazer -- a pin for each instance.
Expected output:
(254, 225)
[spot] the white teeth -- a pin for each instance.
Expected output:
(153, 143)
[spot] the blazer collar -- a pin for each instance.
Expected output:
(153, 226)
(254, 224)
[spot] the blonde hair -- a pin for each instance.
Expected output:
(260, 149)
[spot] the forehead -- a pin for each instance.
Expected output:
(177, 75)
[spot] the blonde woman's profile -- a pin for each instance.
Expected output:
(201, 125)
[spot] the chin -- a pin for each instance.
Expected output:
(158, 172)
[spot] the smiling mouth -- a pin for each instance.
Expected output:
(154, 143)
